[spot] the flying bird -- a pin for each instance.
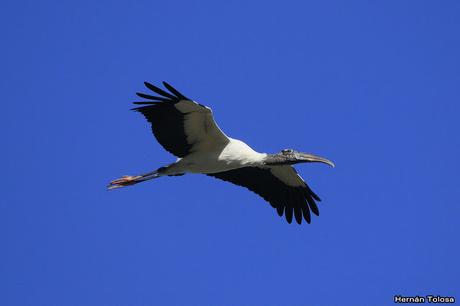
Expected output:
(188, 130)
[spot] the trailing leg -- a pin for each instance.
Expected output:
(174, 169)
(128, 180)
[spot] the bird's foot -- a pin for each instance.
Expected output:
(126, 180)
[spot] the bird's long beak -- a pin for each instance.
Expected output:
(310, 158)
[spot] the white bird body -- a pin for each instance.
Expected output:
(188, 130)
(234, 154)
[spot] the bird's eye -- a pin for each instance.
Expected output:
(287, 151)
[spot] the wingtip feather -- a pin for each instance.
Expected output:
(306, 214)
(288, 213)
(174, 91)
(159, 91)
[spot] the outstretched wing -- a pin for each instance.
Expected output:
(179, 124)
(281, 186)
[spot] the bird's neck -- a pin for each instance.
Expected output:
(276, 160)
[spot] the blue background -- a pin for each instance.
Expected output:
(374, 86)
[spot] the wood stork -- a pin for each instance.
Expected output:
(187, 129)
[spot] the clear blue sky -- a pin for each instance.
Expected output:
(372, 85)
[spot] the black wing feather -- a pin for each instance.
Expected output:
(159, 91)
(280, 210)
(146, 103)
(167, 127)
(306, 214)
(142, 95)
(167, 122)
(292, 201)
(175, 91)
(167, 116)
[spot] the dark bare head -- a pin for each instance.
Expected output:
(290, 157)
